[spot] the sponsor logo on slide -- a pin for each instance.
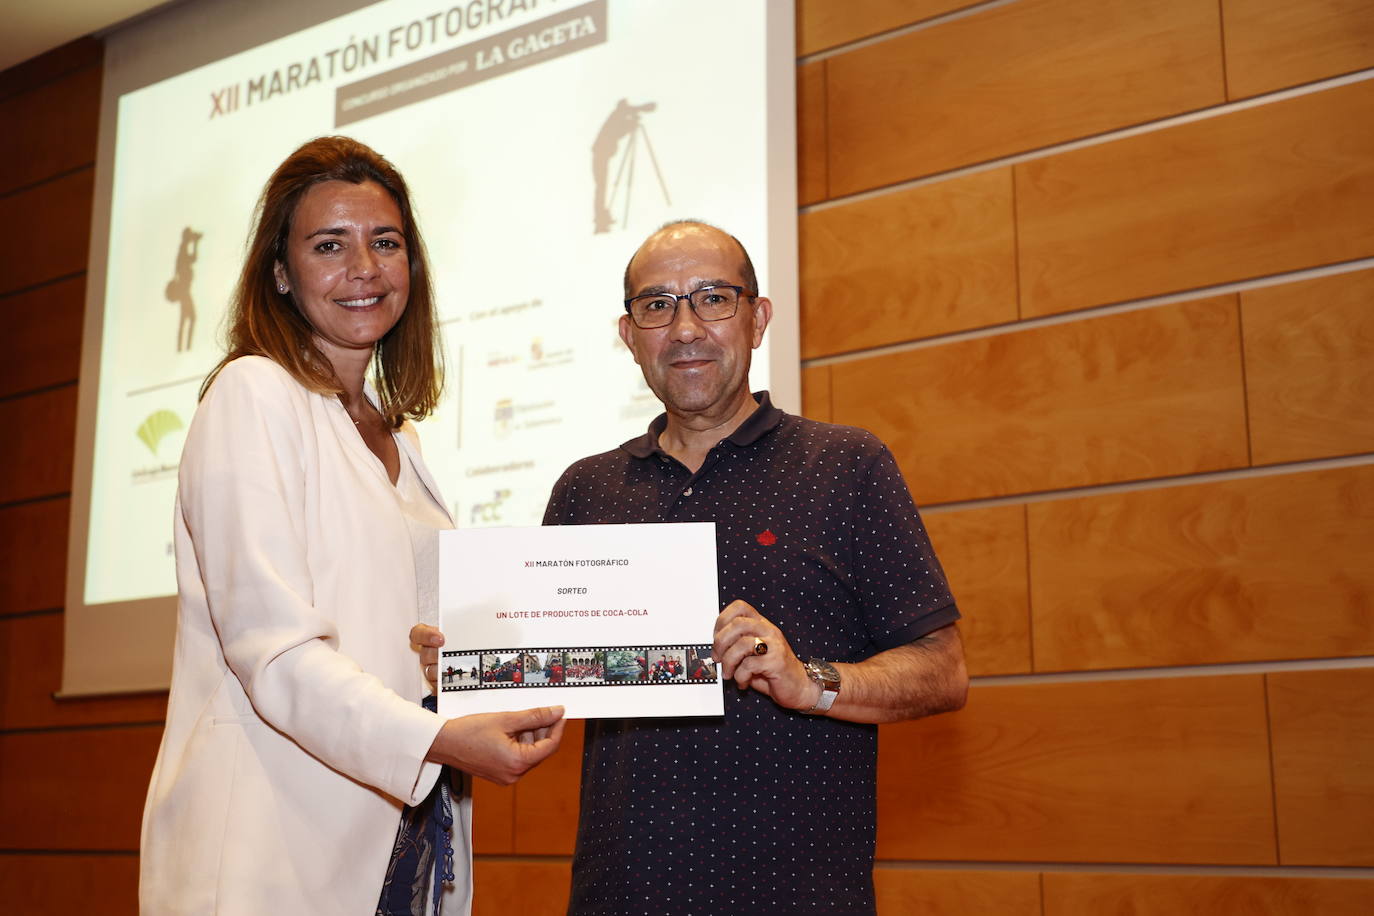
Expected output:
(512, 416)
(503, 415)
(489, 512)
(155, 428)
(542, 357)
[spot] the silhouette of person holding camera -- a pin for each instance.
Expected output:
(179, 287)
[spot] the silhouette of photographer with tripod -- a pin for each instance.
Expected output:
(623, 122)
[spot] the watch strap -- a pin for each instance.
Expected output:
(824, 674)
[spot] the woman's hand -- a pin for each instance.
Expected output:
(428, 639)
(499, 746)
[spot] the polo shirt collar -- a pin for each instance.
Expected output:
(762, 421)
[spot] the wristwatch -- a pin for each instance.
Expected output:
(823, 673)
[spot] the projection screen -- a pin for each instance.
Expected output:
(542, 140)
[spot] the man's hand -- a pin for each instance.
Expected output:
(428, 639)
(922, 678)
(776, 673)
(499, 746)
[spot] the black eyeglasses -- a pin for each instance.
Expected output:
(710, 303)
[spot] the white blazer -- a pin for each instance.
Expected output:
(294, 731)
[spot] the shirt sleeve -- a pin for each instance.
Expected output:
(243, 495)
(902, 588)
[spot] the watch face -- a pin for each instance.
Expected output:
(823, 672)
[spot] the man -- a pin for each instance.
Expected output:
(837, 616)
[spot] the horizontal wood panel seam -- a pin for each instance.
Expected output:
(1099, 139)
(11, 615)
(899, 31)
(38, 612)
(1130, 868)
(95, 727)
(46, 497)
(1155, 672)
(77, 853)
(47, 179)
(1154, 483)
(918, 865)
(42, 389)
(32, 287)
(1096, 311)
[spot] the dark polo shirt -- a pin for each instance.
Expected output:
(764, 808)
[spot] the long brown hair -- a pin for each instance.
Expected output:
(407, 363)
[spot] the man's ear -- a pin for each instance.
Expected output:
(627, 335)
(763, 313)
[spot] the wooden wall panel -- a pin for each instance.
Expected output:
(1272, 44)
(1323, 725)
(33, 541)
(824, 24)
(1204, 895)
(812, 180)
(31, 671)
(493, 818)
(38, 463)
(815, 384)
(907, 265)
(1246, 194)
(546, 800)
(1149, 770)
(1148, 393)
(1014, 78)
(933, 892)
(47, 323)
(56, 130)
(56, 217)
(55, 64)
(1260, 568)
(983, 552)
(1309, 367)
(529, 888)
(39, 885)
(75, 789)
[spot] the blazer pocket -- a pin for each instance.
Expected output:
(242, 721)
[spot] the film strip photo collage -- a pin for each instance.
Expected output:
(611, 666)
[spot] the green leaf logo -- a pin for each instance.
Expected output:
(158, 425)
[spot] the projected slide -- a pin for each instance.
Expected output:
(542, 141)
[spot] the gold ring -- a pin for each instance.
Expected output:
(760, 647)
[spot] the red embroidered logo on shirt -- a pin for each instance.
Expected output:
(768, 538)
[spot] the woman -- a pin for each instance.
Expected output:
(305, 543)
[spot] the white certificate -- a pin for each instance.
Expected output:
(604, 620)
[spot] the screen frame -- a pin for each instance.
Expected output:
(125, 647)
